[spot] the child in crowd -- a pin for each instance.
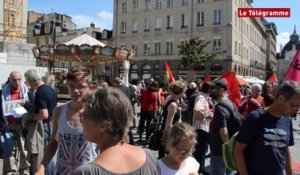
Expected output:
(180, 142)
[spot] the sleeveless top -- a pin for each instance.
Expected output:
(150, 167)
(165, 115)
(73, 150)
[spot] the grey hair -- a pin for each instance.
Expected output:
(256, 87)
(32, 76)
(112, 106)
(289, 89)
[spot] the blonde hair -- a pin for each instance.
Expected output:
(180, 132)
(178, 87)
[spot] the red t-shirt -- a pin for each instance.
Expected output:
(148, 100)
(247, 106)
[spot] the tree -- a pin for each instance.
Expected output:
(193, 54)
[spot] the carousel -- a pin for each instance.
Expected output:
(87, 51)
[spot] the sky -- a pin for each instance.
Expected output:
(100, 12)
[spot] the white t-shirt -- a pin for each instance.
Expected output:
(191, 166)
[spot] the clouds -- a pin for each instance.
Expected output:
(282, 39)
(102, 19)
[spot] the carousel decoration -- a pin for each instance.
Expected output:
(83, 53)
(83, 49)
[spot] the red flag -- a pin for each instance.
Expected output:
(207, 78)
(169, 73)
(232, 87)
(273, 78)
(293, 72)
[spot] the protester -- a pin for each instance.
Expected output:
(262, 145)
(67, 128)
(171, 113)
(267, 93)
(45, 101)
(220, 132)
(180, 141)
(202, 117)
(253, 101)
(106, 118)
(12, 91)
(148, 101)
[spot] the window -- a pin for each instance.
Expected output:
(157, 23)
(169, 48)
(147, 5)
(123, 27)
(170, 3)
(134, 47)
(200, 18)
(217, 16)
(217, 45)
(146, 49)
(235, 47)
(146, 24)
(157, 48)
(169, 22)
(200, 1)
(184, 21)
(157, 4)
(124, 7)
(184, 2)
(134, 26)
(135, 5)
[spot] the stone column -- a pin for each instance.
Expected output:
(126, 66)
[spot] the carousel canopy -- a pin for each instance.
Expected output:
(84, 39)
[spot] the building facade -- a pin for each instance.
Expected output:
(287, 55)
(154, 29)
(45, 35)
(15, 53)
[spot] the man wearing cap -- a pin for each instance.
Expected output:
(219, 131)
(16, 90)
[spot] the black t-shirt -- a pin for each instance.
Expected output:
(220, 120)
(267, 138)
(45, 98)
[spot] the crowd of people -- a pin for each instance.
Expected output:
(92, 133)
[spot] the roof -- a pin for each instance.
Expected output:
(85, 39)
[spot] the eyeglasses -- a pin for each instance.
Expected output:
(79, 88)
(185, 152)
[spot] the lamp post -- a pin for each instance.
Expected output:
(53, 24)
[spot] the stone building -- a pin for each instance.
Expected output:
(65, 30)
(287, 55)
(15, 52)
(155, 28)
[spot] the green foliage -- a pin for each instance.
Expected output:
(193, 54)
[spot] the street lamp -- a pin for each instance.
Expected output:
(53, 24)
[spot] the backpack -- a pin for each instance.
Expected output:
(227, 147)
(235, 120)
